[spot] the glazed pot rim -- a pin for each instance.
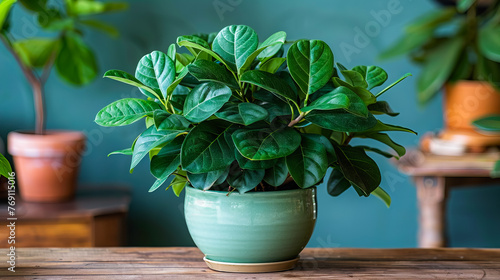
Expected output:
(268, 193)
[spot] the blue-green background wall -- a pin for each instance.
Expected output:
(156, 218)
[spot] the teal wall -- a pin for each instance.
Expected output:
(156, 218)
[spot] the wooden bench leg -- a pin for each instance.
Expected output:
(431, 195)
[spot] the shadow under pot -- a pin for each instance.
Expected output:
(46, 165)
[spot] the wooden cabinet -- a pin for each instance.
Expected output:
(95, 218)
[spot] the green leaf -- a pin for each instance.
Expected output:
(267, 143)
(380, 126)
(340, 120)
(235, 43)
(378, 151)
(384, 138)
(273, 43)
(36, 52)
(205, 70)
(381, 107)
(165, 162)
(340, 98)
(310, 64)
(34, 6)
(101, 26)
(365, 95)
(269, 82)
(208, 147)
(358, 168)
(495, 172)
(157, 71)
(126, 78)
(337, 183)
(177, 81)
(269, 47)
(5, 167)
(309, 162)
(245, 180)
(438, 65)
(204, 100)
(242, 113)
(274, 105)
(464, 5)
(127, 152)
(488, 123)
(179, 183)
(172, 52)
(276, 175)
(90, 7)
(489, 42)
(272, 65)
(194, 43)
(382, 195)
(407, 43)
(173, 122)
(5, 7)
(150, 139)
(393, 84)
(332, 157)
(373, 75)
(253, 164)
(76, 63)
(205, 181)
(354, 78)
(488, 70)
(125, 111)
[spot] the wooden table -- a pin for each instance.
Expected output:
(434, 176)
(95, 218)
(186, 263)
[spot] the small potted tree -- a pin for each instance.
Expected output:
(458, 48)
(250, 132)
(47, 162)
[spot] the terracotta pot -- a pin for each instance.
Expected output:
(464, 102)
(46, 165)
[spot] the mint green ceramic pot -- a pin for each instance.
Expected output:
(255, 227)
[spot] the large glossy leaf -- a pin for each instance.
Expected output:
(205, 181)
(235, 43)
(489, 42)
(172, 122)
(267, 143)
(253, 164)
(488, 123)
(488, 70)
(157, 71)
(340, 98)
(269, 82)
(242, 113)
(340, 120)
(195, 43)
(245, 180)
(384, 138)
(76, 63)
(337, 183)
(208, 147)
(373, 75)
(36, 52)
(354, 78)
(381, 107)
(125, 111)
(5, 7)
(126, 78)
(358, 168)
(367, 97)
(268, 48)
(310, 64)
(309, 162)
(165, 162)
(438, 65)
(274, 105)
(380, 126)
(205, 70)
(5, 167)
(204, 100)
(276, 175)
(272, 65)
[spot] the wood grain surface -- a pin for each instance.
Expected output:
(315, 263)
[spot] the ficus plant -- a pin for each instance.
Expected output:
(236, 114)
(66, 49)
(5, 167)
(460, 42)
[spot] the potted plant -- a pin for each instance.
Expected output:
(249, 133)
(458, 48)
(47, 162)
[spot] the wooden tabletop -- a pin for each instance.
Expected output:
(315, 263)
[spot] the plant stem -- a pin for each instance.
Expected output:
(297, 120)
(36, 85)
(348, 139)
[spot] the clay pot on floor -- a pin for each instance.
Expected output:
(46, 165)
(464, 102)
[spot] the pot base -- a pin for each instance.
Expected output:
(251, 267)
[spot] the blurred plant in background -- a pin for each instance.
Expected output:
(73, 59)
